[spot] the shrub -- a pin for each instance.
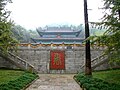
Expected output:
(19, 83)
(91, 83)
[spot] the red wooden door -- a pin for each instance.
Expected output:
(57, 60)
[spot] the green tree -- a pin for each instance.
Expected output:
(6, 39)
(33, 34)
(111, 38)
(21, 34)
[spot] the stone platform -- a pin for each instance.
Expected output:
(55, 82)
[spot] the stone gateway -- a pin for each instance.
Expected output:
(57, 50)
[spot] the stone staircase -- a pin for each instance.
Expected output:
(96, 62)
(19, 62)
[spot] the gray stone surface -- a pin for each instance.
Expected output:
(6, 64)
(40, 58)
(55, 82)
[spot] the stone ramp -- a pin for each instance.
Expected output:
(96, 62)
(55, 82)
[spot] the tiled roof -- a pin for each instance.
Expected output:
(58, 36)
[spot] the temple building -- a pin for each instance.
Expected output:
(58, 36)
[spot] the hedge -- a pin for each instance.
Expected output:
(90, 83)
(19, 83)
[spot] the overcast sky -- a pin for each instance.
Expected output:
(34, 13)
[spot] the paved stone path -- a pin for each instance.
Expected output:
(55, 82)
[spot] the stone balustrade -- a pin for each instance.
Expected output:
(21, 62)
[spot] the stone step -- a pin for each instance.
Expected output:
(19, 62)
(96, 62)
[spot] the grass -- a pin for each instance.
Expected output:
(111, 76)
(9, 75)
(15, 79)
(100, 80)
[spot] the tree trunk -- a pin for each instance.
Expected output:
(88, 70)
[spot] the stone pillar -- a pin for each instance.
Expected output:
(63, 45)
(28, 45)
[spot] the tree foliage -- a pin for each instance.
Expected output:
(111, 38)
(6, 40)
(21, 34)
(33, 34)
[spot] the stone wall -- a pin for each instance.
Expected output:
(40, 58)
(7, 64)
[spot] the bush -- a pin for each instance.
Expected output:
(91, 83)
(19, 83)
